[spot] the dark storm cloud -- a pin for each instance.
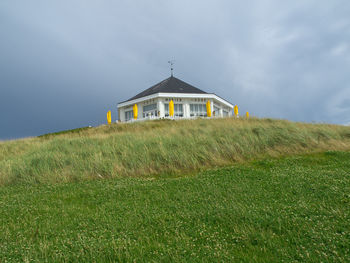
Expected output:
(63, 64)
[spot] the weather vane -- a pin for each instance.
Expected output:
(171, 62)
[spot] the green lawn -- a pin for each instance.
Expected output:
(290, 209)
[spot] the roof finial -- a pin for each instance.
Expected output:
(171, 62)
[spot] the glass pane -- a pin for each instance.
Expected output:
(150, 107)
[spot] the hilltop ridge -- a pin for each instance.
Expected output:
(161, 147)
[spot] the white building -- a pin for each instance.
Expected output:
(189, 102)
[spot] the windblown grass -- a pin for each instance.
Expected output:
(159, 147)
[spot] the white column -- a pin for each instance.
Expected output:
(160, 107)
(229, 111)
(122, 114)
(186, 109)
(140, 110)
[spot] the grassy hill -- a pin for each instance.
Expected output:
(159, 148)
(219, 190)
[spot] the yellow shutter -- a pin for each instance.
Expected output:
(109, 117)
(171, 108)
(208, 109)
(135, 109)
(235, 110)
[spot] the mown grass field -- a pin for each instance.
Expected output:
(290, 209)
(159, 148)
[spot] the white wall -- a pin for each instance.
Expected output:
(161, 108)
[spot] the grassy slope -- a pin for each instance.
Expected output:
(159, 147)
(290, 209)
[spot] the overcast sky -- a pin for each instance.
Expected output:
(64, 64)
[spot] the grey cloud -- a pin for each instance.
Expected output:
(65, 63)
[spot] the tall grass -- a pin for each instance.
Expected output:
(160, 147)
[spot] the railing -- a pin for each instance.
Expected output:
(172, 118)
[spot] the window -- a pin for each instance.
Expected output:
(198, 110)
(178, 110)
(150, 110)
(201, 108)
(129, 115)
(166, 109)
(225, 113)
(216, 111)
(150, 107)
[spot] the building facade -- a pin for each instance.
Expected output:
(189, 102)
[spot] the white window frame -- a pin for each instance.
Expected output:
(177, 113)
(198, 110)
(151, 112)
(129, 115)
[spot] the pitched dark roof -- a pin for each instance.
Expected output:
(169, 85)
